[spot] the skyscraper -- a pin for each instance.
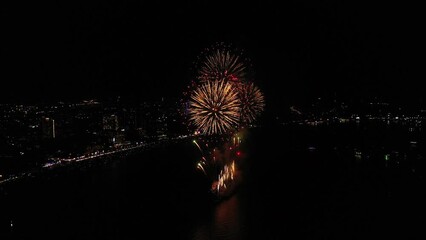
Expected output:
(48, 128)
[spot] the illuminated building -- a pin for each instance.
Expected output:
(48, 128)
(112, 132)
(110, 122)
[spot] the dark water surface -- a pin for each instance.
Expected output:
(351, 181)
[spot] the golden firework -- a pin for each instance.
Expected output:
(214, 107)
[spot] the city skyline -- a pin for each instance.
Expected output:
(211, 119)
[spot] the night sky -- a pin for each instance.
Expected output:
(69, 50)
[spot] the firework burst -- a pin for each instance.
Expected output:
(219, 102)
(214, 107)
(252, 102)
(222, 64)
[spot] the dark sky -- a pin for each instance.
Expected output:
(66, 50)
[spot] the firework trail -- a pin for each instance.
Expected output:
(200, 166)
(195, 142)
